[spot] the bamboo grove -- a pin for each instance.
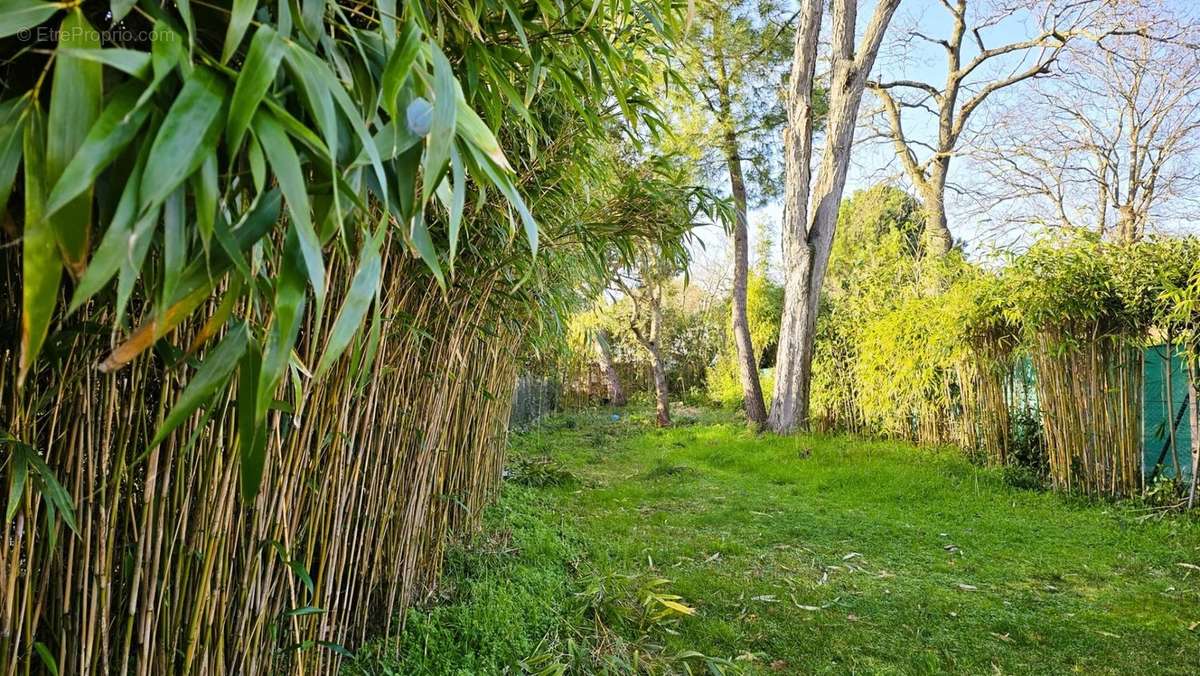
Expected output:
(1038, 361)
(268, 269)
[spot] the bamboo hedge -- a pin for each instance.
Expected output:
(942, 362)
(273, 266)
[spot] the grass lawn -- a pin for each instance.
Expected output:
(799, 555)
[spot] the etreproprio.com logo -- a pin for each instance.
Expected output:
(81, 33)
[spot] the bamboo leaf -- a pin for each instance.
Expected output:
(214, 373)
(117, 125)
(262, 62)
(46, 657)
(286, 164)
(174, 243)
(219, 316)
(114, 247)
(504, 184)
(285, 326)
(458, 200)
(120, 8)
(188, 134)
(19, 15)
(129, 61)
(358, 299)
(41, 266)
(12, 133)
(478, 135)
(196, 284)
(52, 491)
(251, 438)
(399, 63)
(74, 106)
(441, 129)
(423, 243)
(239, 21)
(206, 193)
(18, 474)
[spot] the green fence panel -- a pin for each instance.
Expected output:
(1162, 410)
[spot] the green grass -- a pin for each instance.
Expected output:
(807, 555)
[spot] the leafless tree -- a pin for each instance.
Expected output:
(808, 233)
(1111, 144)
(644, 285)
(927, 122)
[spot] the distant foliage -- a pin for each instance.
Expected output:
(764, 307)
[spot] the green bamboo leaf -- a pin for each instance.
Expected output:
(130, 61)
(251, 438)
(174, 243)
(286, 164)
(47, 658)
(307, 610)
(117, 125)
(167, 51)
(185, 13)
(387, 20)
(312, 17)
(304, 68)
(458, 200)
(285, 326)
(19, 15)
(360, 372)
(358, 299)
(114, 247)
(138, 245)
(441, 130)
(206, 191)
(262, 62)
(258, 164)
(187, 136)
(120, 8)
(239, 21)
(423, 243)
(75, 98)
(399, 63)
(52, 491)
(476, 133)
(18, 474)
(213, 374)
(352, 111)
(41, 265)
(504, 184)
(12, 133)
(253, 226)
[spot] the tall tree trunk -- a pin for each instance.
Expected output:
(662, 403)
(808, 243)
(756, 410)
(616, 395)
(938, 239)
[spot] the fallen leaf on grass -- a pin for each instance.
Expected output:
(1108, 634)
(765, 598)
(1192, 626)
(1003, 637)
(851, 555)
(967, 587)
(1189, 566)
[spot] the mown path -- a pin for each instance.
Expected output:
(814, 555)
